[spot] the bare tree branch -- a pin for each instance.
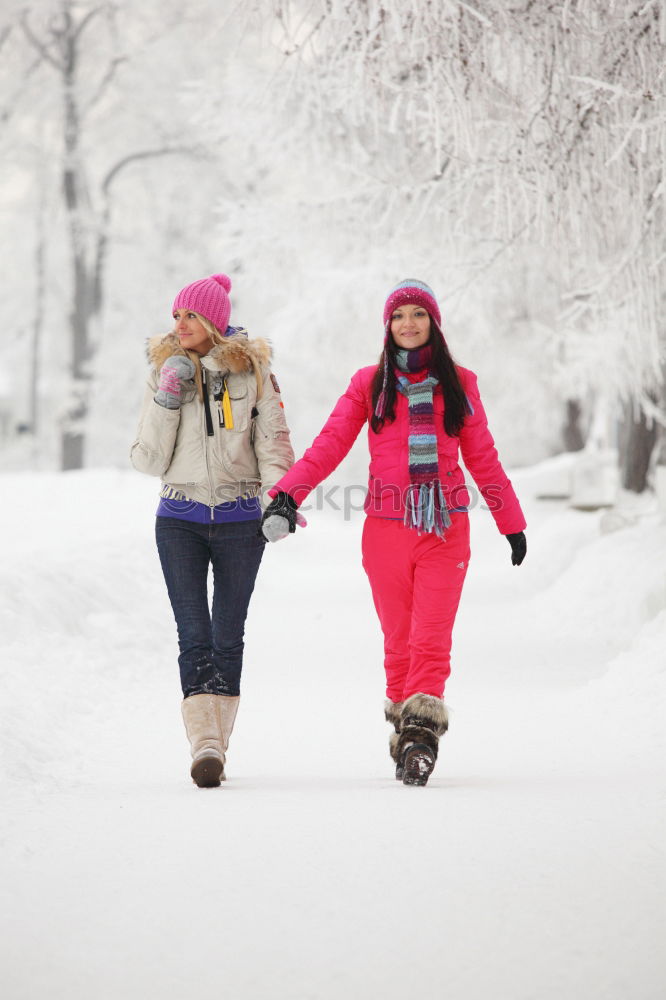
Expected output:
(85, 21)
(105, 219)
(143, 155)
(39, 45)
(105, 82)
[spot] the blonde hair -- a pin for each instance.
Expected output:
(215, 335)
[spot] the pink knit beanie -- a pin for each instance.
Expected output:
(208, 297)
(415, 293)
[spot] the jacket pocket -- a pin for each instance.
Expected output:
(239, 399)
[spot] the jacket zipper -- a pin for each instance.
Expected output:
(209, 433)
(209, 420)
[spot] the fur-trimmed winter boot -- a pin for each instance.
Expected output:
(392, 711)
(423, 719)
(209, 720)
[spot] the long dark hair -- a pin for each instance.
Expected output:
(456, 405)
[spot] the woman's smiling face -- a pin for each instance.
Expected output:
(191, 331)
(410, 326)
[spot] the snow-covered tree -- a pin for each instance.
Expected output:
(486, 127)
(98, 143)
(79, 50)
(512, 154)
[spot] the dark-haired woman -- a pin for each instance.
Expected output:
(422, 410)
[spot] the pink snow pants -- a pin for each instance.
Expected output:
(416, 583)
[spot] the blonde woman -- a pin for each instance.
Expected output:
(213, 428)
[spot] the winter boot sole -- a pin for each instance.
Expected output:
(207, 772)
(418, 764)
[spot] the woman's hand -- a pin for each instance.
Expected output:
(518, 544)
(175, 370)
(280, 518)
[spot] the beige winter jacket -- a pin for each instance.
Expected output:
(175, 445)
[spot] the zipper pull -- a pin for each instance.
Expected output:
(227, 414)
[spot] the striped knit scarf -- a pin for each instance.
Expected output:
(425, 508)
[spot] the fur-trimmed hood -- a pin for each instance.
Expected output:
(226, 440)
(236, 354)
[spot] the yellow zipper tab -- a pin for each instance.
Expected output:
(227, 415)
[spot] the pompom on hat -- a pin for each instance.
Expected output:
(413, 292)
(209, 297)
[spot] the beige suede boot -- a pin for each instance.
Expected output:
(202, 724)
(227, 706)
(209, 721)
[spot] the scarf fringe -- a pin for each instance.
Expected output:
(425, 509)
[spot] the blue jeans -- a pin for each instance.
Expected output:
(211, 645)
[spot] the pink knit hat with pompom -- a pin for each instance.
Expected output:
(208, 297)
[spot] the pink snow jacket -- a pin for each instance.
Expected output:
(389, 455)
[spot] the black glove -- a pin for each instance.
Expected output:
(518, 544)
(282, 505)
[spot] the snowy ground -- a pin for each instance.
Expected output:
(532, 866)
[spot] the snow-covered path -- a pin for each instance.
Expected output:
(532, 866)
